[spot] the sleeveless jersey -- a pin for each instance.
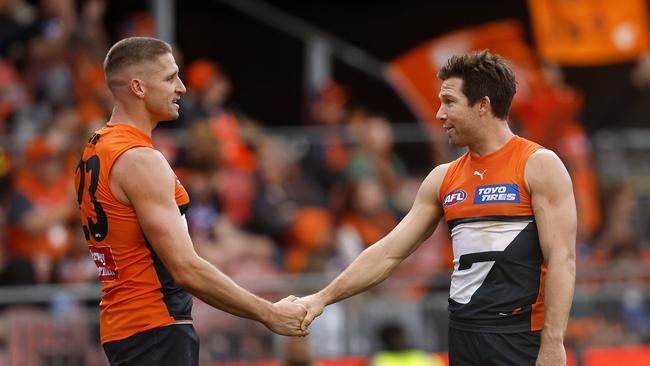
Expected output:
(498, 280)
(138, 291)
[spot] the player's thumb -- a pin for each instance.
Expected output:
(306, 321)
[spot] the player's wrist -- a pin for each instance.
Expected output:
(265, 313)
(551, 337)
(323, 298)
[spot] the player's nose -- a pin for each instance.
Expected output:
(180, 88)
(441, 114)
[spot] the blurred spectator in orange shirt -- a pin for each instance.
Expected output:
(310, 241)
(208, 90)
(367, 215)
(235, 136)
(42, 204)
(93, 99)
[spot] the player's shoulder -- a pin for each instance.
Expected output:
(544, 169)
(143, 154)
(441, 170)
(542, 158)
(433, 181)
(138, 160)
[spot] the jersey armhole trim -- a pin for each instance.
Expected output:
(534, 150)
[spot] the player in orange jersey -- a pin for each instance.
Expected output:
(132, 208)
(511, 213)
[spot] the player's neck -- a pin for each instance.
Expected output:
(123, 115)
(491, 139)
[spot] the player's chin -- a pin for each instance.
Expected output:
(457, 142)
(169, 117)
(172, 115)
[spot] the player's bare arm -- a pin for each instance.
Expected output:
(141, 177)
(377, 262)
(555, 213)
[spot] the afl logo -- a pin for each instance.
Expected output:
(454, 197)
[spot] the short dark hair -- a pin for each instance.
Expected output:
(132, 51)
(483, 74)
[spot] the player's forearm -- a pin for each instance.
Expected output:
(559, 287)
(369, 269)
(207, 283)
(378, 261)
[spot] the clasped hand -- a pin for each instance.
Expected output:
(292, 316)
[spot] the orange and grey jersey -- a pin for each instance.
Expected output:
(498, 279)
(139, 292)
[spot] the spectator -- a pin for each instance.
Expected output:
(374, 157)
(618, 237)
(328, 155)
(77, 266)
(310, 241)
(283, 190)
(209, 89)
(42, 204)
(18, 24)
(297, 353)
(368, 215)
(397, 351)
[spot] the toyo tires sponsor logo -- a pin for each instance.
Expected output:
(498, 193)
(454, 197)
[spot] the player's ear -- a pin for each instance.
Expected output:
(485, 105)
(137, 87)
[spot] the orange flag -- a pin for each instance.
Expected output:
(414, 74)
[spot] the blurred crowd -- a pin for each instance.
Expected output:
(261, 203)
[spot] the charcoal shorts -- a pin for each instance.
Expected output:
(493, 349)
(173, 345)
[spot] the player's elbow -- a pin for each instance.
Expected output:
(184, 272)
(384, 259)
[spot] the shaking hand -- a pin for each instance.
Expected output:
(314, 306)
(286, 317)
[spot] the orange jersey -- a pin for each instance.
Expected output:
(497, 283)
(139, 293)
(56, 240)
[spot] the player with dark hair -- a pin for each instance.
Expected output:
(512, 217)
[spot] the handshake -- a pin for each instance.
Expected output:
(292, 315)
